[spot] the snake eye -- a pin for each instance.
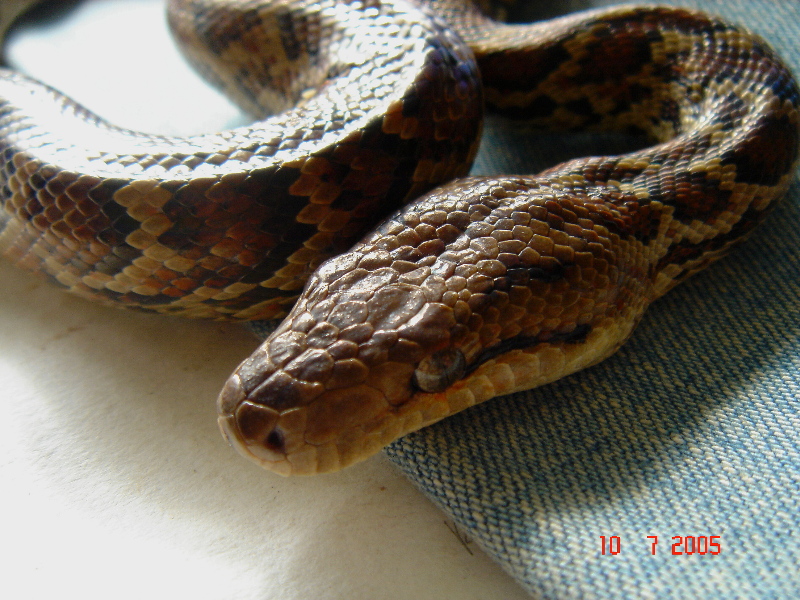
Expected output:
(440, 370)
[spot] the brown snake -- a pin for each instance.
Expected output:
(483, 287)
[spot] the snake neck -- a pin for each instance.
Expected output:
(721, 108)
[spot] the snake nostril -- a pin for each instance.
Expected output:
(276, 441)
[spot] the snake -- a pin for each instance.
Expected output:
(408, 290)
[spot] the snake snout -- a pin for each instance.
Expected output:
(255, 429)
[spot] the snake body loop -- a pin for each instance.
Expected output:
(484, 286)
(376, 103)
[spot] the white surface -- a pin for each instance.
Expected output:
(116, 481)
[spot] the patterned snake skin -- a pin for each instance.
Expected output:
(483, 287)
(230, 225)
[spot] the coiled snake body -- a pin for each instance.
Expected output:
(484, 286)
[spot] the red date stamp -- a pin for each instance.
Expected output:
(681, 545)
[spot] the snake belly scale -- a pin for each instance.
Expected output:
(481, 287)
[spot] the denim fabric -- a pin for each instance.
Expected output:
(691, 429)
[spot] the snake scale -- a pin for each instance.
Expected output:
(481, 287)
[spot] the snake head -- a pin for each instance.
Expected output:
(427, 316)
(370, 352)
(357, 363)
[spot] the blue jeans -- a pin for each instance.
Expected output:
(671, 470)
